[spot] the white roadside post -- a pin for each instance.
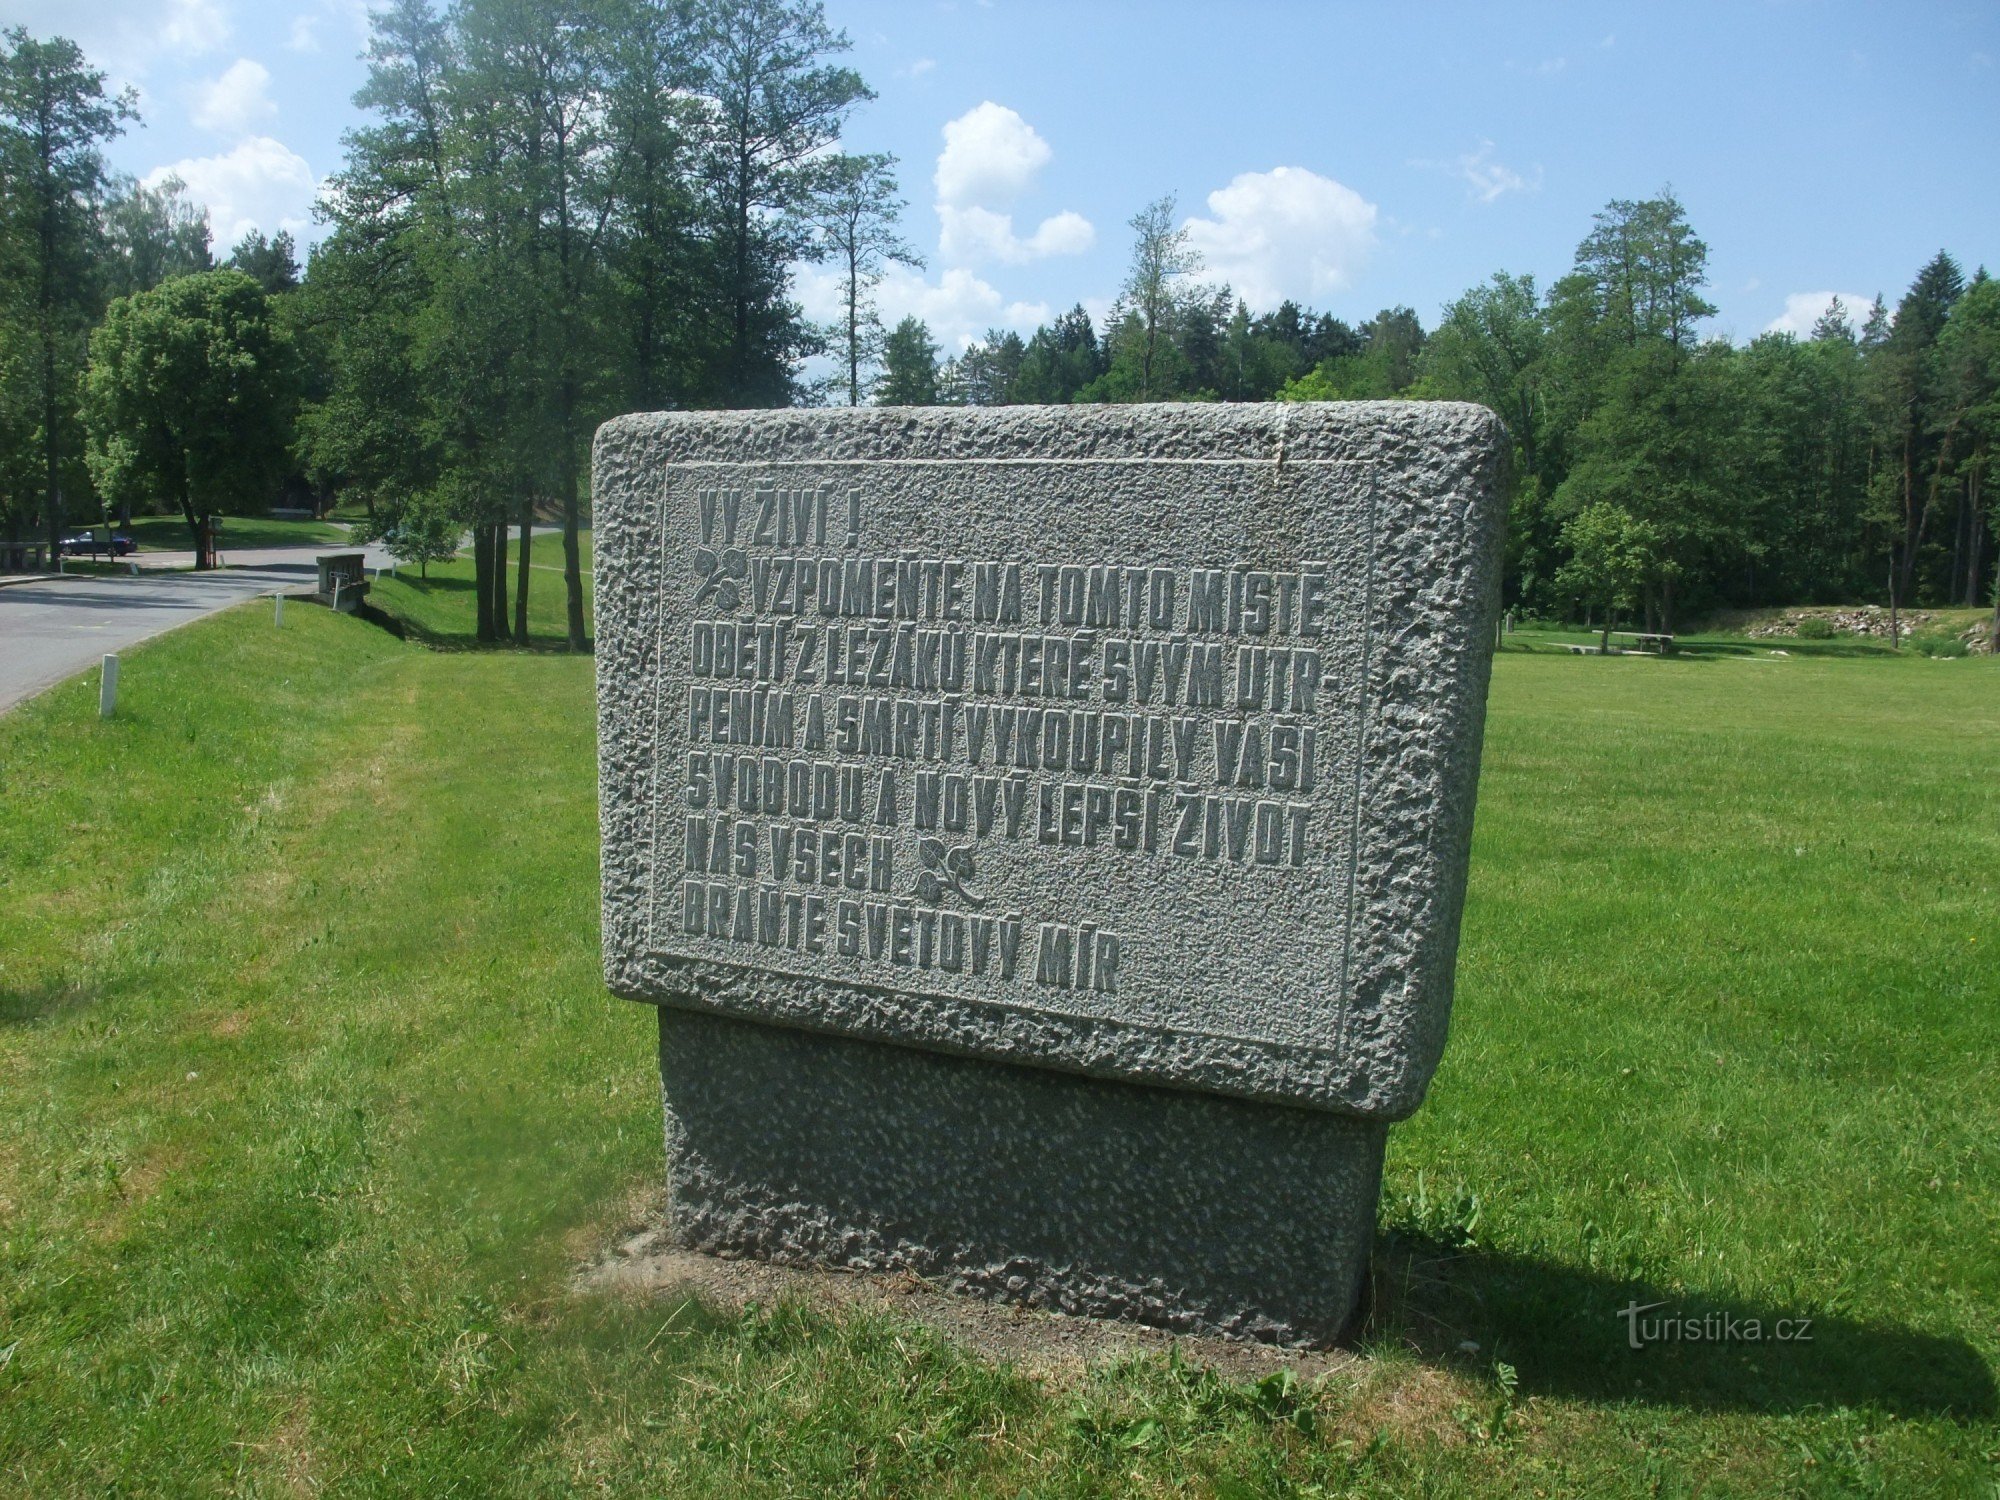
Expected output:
(278, 610)
(107, 688)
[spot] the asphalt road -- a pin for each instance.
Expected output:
(49, 631)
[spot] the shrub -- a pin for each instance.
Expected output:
(1936, 643)
(1813, 628)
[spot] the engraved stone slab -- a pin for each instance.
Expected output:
(1137, 742)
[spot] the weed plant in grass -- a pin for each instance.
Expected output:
(313, 1102)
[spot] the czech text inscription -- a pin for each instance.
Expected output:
(865, 736)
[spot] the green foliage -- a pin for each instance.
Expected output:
(1936, 643)
(273, 262)
(1147, 362)
(152, 233)
(1059, 360)
(424, 533)
(986, 374)
(1613, 555)
(1813, 628)
(190, 396)
(54, 118)
(857, 210)
(909, 366)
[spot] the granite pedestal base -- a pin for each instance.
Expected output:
(1187, 1211)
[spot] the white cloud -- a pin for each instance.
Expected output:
(958, 307)
(305, 34)
(920, 67)
(991, 156)
(1488, 179)
(971, 235)
(259, 183)
(193, 27)
(1285, 233)
(235, 104)
(1802, 310)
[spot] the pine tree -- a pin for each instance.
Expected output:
(54, 118)
(909, 367)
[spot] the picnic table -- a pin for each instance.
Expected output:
(1653, 641)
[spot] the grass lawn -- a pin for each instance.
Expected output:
(239, 533)
(311, 1099)
(436, 604)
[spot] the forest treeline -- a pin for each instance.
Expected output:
(560, 210)
(1657, 474)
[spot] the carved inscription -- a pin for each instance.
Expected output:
(866, 734)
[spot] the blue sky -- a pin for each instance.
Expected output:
(1349, 156)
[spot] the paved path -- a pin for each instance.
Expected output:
(51, 630)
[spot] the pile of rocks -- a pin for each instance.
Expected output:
(1860, 619)
(1868, 620)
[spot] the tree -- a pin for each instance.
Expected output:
(54, 116)
(1490, 346)
(190, 396)
(778, 105)
(1060, 361)
(1968, 355)
(1645, 414)
(909, 367)
(987, 372)
(1612, 556)
(153, 233)
(532, 88)
(1910, 400)
(425, 532)
(662, 220)
(1153, 294)
(857, 213)
(273, 262)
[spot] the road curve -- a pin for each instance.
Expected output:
(52, 630)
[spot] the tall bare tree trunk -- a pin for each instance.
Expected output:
(482, 579)
(500, 578)
(1975, 523)
(521, 571)
(51, 455)
(572, 552)
(1895, 625)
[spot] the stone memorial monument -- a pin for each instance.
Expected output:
(1044, 830)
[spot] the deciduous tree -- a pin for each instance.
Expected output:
(858, 211)
(190, 397)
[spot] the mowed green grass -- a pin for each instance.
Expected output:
(171, 534)
(311, 1101)
(436, 603)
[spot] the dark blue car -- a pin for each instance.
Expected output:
(89, 544)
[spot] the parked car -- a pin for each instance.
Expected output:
(88, 544)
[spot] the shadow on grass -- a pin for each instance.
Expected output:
(447, 641)
(1568, 1331)
(1843, 648)
(44, 1002)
